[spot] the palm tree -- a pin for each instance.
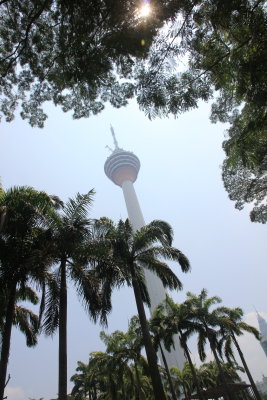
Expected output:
(121, 372)
(24, 255)
(72, 253)
(24, 319)
(200, 313)
(95, 378)
(170, 318)
(210, 377)
(136, 343)
(131, 252)
(161, 332)
(232, 326)
(183, 380)
(115, 370)
(126, 347)
(82, 382)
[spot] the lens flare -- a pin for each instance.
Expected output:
(145, 10)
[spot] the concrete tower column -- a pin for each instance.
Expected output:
(122, 168)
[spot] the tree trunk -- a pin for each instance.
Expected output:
(195, 379)
(123, 389)
(251, 380)
(230, 395)
(150, 351)
(186, 395)
(138, 383)
(167, 372)
(62, 354)
(113, 389)
(6, 338)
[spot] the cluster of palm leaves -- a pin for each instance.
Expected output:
(44, 242)
(121, 372)
(219, 326)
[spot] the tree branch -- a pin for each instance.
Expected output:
(175, 36)
(23, 41)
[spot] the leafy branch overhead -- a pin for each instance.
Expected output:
(78, 54)
(82, 54)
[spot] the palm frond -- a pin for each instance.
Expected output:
(51, 315)
(27, 322)
(156, 231)
(201, 345)
(166, 229)
(163, 271)
(90, 290)
(102, 228)
(79, 206)
(27, 294)
(228, 350)
(243, 326)
(167, 253)
(212, 300)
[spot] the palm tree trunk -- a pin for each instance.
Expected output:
(167, 372)
(62, 353)
(6, 338)
(138, 383)
(150, 351)
(221, 373)
(194, 375)
(251, 380)
(113, 389)
(123, 389)
(186, 395)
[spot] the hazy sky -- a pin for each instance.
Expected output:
(179, 182)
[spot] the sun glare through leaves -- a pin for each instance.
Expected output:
(145, 10)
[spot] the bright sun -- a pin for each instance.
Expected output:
(145, 10)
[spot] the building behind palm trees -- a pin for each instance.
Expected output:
(263, 332)
(262, 385)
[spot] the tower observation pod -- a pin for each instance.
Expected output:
(122, 168)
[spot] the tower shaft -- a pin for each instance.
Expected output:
(122, 168)
(154, 285)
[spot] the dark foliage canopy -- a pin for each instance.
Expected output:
(77, 53)
(247, 185)
(81, 54)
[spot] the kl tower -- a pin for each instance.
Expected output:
(122, 168)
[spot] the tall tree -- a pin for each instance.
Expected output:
(70, 232)
(132, 252)
(231, 327)
(170, 318)
(79, 54)
(226, 57)
(210, 376)
(183, 380)
(200, 311)
(127, 347)
(92, 46)
(24, 256)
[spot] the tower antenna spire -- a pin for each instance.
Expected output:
(114, 137)
(258, 315)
